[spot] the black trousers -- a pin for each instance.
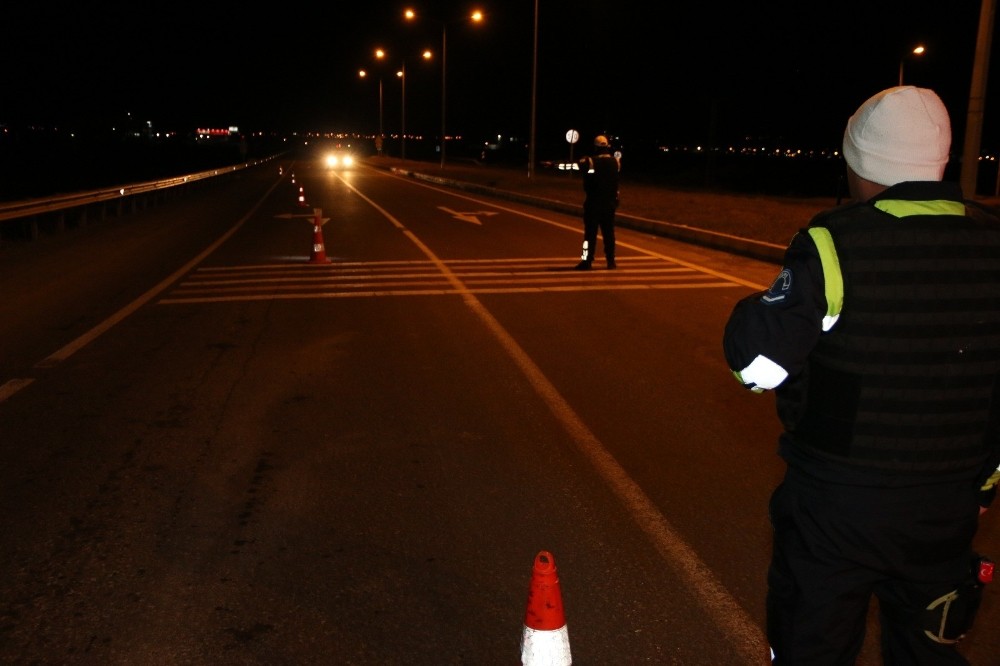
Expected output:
(598, 217)
(837, 546)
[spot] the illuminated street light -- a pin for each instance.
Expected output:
(919, 50)
(426, 55)
(475, 17)
(381, 133)
(401, 74)
(534, 95)
(380, 54)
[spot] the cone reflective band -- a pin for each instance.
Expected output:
(984, 570)
(318, 254)
(545, 640)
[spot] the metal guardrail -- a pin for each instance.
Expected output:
(32, 207)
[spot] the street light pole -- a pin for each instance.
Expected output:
(444, 69)
(402, 80)
(475, 17)
(534, 92)
(380, 56)
(363, 74)
(401, 75)
(977, 102)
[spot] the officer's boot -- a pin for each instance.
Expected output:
(586, 258)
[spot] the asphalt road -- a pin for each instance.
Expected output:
(224, 443)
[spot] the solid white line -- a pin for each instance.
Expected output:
(13, 386)
(88, 337)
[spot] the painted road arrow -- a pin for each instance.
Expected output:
(468, 217)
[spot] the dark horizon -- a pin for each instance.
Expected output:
(678, 74)
(55, 162)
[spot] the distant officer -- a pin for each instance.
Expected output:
(600, 184)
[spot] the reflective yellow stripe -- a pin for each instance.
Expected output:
(833, 279)
(904, 208)
(992, 481)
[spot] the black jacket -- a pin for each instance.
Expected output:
(600, 178)
(881, 338)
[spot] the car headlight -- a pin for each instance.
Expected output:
(331, 160)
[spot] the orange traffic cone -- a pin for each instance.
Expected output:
(302, 196)
(318, 255)
(545, 641)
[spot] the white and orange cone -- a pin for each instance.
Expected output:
(318, 255)
(545, 640)
(302, 197)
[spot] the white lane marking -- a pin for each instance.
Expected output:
(219, 284)
(731, 620)
(13, 386)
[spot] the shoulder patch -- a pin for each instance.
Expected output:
(779, 288)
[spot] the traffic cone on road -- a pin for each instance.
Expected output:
(545, 640)
(302, 197)
(318, 255)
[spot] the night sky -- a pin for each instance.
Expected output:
(669, 72)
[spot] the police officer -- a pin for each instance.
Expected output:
(881, 339)
(600, 186)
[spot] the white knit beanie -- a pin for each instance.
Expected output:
(899, 134)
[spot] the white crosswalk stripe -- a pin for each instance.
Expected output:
(422, 278)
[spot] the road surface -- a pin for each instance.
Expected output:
(223, 442)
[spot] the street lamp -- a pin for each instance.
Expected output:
(475, 17)
(379, 55)
(534, 94)
(919, 50)
(402, 106)
(426, 55)
(381, 133)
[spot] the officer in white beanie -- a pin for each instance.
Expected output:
(898, 135)
(880, 340)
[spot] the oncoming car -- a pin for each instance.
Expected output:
(339, 159)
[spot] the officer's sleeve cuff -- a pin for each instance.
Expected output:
(762, 374)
